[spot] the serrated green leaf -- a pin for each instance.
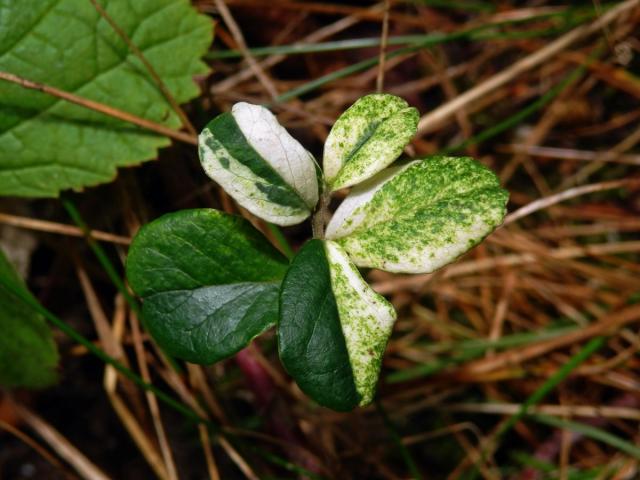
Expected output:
(28, 354)
(47, 144)
(259, 164)
(367, 138)
(209, 282)
(333, 327)
(419, 216)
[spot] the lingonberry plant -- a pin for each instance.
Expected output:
(211, 283)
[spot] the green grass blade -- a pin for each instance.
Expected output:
(567, 19)
(89, 345)
(102, 257)
(395, 437)
(553, 381)
(110, 269)
(281, 240)
(521, 115)
(470, 349)
(591, 432)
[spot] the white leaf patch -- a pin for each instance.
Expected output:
(283, 152)
(366, 319)
(241, 183)
(259, 164)
(349, 215)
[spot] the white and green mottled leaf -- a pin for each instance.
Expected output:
(348, 216)
(366, 319)
(418, 217)
(333, 327)
(260, 164)
(367, 138)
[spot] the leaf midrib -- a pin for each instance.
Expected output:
(365, 139)
(404, 214)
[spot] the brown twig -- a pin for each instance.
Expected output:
(433, 120)
(546, 202)
(154, 408)
(383, 48)
(593, 411)
(242, 46)
(513, 357)
(60, 228)
(23, 437)
(101, 107)
(85, 468)
(152, 71)
(231, 81)
(130, 421)
(476, 266)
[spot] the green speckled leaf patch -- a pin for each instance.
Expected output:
(366, 319)
(419, 216)
(259, 164)
(367, 138)
(209, 282)
(333, 327)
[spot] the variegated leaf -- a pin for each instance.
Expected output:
(367, 138)
(333, 327)
(260, 164)
(417, 217)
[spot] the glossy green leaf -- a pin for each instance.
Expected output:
(333, 327)
(48, 144)
(259, 164)
(368, 137)
(209, 282)
(419, 216)
(208, 324)
(28, 354)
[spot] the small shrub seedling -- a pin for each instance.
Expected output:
(211, 283)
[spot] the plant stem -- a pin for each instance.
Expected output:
(101, 255)
(319, 217)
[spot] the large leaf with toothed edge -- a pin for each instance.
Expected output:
(333, 327)
(48, 144)
(209, 282)
(419, 216)
(367, 138)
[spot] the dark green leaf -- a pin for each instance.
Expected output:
(209, 281)
(208, 324)
(28, 354)
(310, 339)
